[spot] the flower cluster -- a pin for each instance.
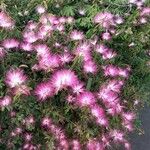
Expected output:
(63, 62)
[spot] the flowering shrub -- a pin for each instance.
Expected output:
(72, 73)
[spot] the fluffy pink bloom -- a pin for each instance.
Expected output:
(21, 89)
(78, 88)
(124, 72)
(40, 9)
(89, 66)
(65, 58)
(6, 21)
(46, 122)
(48, 62)
(44, 90)
(5, 101)
(127, 146)
(15, 77)
(86, 99)
(115, 85)
(118, 20)
(106, 36)
(2, 52)
(111, 70)
(10, 43)
(75, 145)
(94, 145)
(27, 137)
(70, 98)
(117, 135)
(63, 78)
(145, 11)
(129, 116)
(109, 55)
(105, 19)
(30, 36)
(42, 49)
(28, 121)
(100, 48)
(70, 20)
(97, 111)
(76, 35)
(26, 46)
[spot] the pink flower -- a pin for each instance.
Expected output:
(22, 89)
(63, 78)
(86, 99)
(28, 137)
(75, 145)
(15, 77)
(117, 135)
(2, 52)
(129, 116)
(106, 36)
(70, 20)
(78, 88)
(40, 9)
(65, 58)
(42, 49)
(109, 54)
(94, 145)
(6, 21)
(44, 90)
(111, 70)
(5, 101)
(48, 62)
(100, 48)
(10, 43)
(76, 35)
(46, 122)
(90, 67)
(26, 46)
(105, 19)
(145, 11)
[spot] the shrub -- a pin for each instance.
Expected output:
(72, 73)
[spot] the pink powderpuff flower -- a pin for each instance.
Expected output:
(84, 47)
(117, 135)
(89, 66)
(106, 36)
(129, 116)
(145, 11)
(124, 72)
(10, 43)
(2, 52)
(46, 122)
(100, 48)
(44, 90)
(70, 98)
(93, 144)
(30, 36)
(22, 89)
(109, 55)
(62, 20)
(75, 144)
(49, 62)
(127, 145)
(6, 21)
(111, 70)
(102, 121)
(5, 101)
(40, 9)
(86, 99)
(31, 25)
(97, 111)
(115, 85)
(63, 78)
(105, 19)
(15, 77)
(78, 88)
(28, 137)
(143, 20)
(118, 20)
(76, 35)
(42, 49)
(65, 58)
(28, 121)
(28, 47)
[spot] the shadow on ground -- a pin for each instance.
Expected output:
(142, 142)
